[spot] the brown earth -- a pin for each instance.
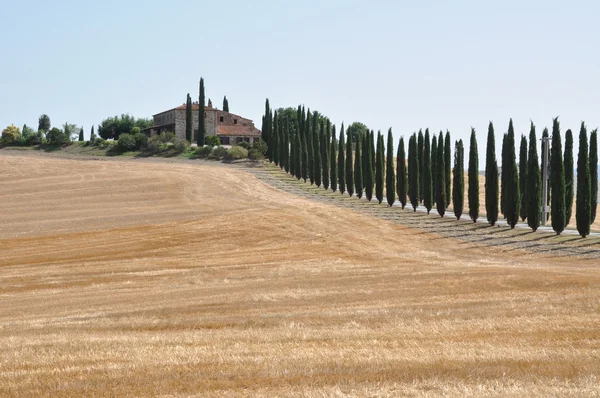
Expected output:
(134, 278)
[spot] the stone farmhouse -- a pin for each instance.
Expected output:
(228, 127)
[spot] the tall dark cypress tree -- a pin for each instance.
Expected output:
(368, 176)
(286, 146)
(583, 201)
(317, 150)
(557, 180)
(342, 161)
(298, 155)
(401, 173)
(275, 139)
(523, 176)
(440, 180)
(333, 171)
(201, 118)
(593, 174)
(473, 178)
(413, 172)
(373, 152)
(448, 164)
(569, 176)
(534, 183)
(358, 176)
(189, 121)
(310, 145)
(324, 145)
(427, 179)
(504, 167)
(349, 167)
(419, 153)
(512, 199)
(81, 134)
(546, 135)
(491, 178)
(379, 168)
(390, 175)
(225, 104)
(458, 187)
(305, 139)
(433, 163)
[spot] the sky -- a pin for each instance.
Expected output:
(399, 64)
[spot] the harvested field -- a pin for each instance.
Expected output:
(142, 278)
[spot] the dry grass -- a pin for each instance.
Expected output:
(139, 279)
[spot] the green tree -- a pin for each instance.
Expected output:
(317, 172)
(433, 163)
(311, 146)
(583, 202)
(458, 187)
(275, 139)
(427, 179)
(81, 135)
(201, 118)
(286, 146)
(305, 137)
(44, 123)
(491, 178)
(502, 179)
(473, 178)
(324, 145)
(11, 135)
(113, 127)
(557, 180)
(189, 121)
(440, 180)
(448, 164)
(225, 104)
(401, 173)
(358, 180)
(356, 131)
(413, 172)
(594, 174)
(512, 199)
(298, 150)
(368, 172)
(379, 167)
(349, 170)
(333, 170)
(390, 175)
(534, 183)
(569, 176)
(523, 176)
(92, 135)
(546, 135)
(419, 153)
(372, 153)
(342, 161)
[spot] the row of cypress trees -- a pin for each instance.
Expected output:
(427, 176)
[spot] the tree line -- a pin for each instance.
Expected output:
(425, 172)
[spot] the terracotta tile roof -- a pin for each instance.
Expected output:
(195, 107)
(238, 130)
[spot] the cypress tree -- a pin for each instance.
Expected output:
(401, 174)
(557, 180)
(292, 159)
(583, 200)
(379, 168)
(502, 179)
(316, 150)
(593, 174)
(298, 155)
(448, 164)
(390, 176)
(81, 134)
(534, 183)
(473, 178)
(225, 104)
(440, 180)
(342, 161)
(545, 134)
(421, 169)
(275, 139)
(325, 142)
(373, 152)
(491, 178)
(349, 169)
(92, 135)
(413, 172)
(427, 179)
(286, 146)
(333, 171)
(310, 145)
(305, 138)
(569, 176)
(512, 199)
(358, 180)
(201, 112)
(368, 176)
(433, 163)
(523, 176)
(189, 121)
(458, 187)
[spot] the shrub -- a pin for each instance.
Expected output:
(141, 139)
(237, 152)
(212, 140)
(255, 154)
(218, 153)
(36, 138)
(180, 145)
(98, 142)
(153, 145)
(261, 146)
(135, 130)
(11, 136)
(243, 144)
(166, 136)
(55, 136)
(126, 142)
(203, 151)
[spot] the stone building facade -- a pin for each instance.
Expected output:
(230, 128)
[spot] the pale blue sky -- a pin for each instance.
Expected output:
(437, 64)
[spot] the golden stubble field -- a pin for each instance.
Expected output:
(134, 278)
